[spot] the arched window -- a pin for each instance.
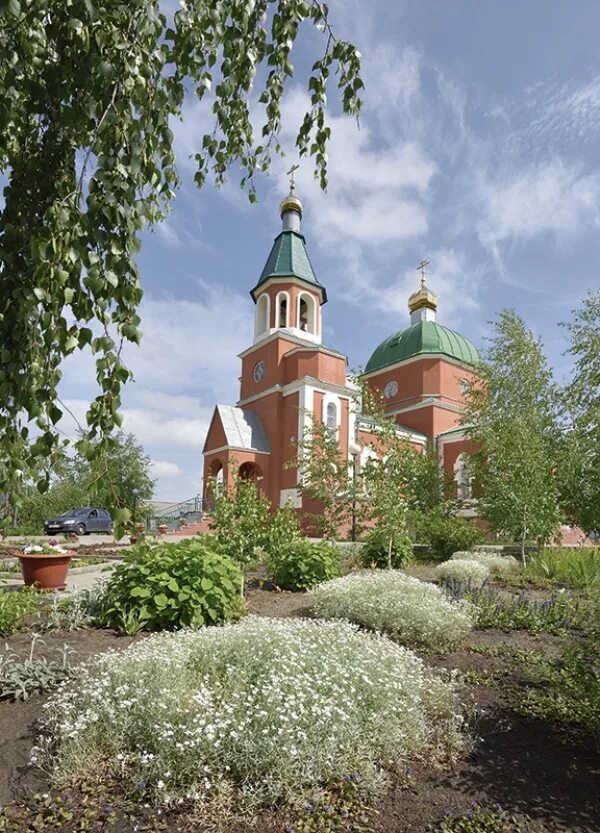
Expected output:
(261, 320)
(331, 417)
(307, 317)
(282, 310)
(462, 478)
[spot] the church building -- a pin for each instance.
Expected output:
(289, 376)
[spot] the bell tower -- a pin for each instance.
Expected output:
(288, 295)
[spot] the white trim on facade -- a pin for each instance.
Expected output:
(282, 295)
(234, 448)
(306, 286)
(412, 359)
(258, 317)
(427, 403)
(300, 338)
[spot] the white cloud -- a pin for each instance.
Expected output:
(554, 198)
(163, 468)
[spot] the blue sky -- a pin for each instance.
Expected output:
(479, 148)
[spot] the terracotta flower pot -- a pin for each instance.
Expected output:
(45, 571)
(162, 529)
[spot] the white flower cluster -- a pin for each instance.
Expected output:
(267, 709)
(464, 570)
(413, 611)
(496, 564)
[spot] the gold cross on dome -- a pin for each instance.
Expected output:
(421, 269)
(292, 173)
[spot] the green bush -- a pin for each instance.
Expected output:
(15, 606)
(300, 565)
(168, 586)
(283, 527)
(444, 534)
(375, 550)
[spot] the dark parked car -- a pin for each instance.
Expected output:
(80, 521)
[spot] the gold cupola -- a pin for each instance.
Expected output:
(290, 208)
(423, 303)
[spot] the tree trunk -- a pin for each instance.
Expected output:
(524, 532)
(389, 555)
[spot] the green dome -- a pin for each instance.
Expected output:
(423, 337)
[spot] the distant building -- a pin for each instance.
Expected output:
(288, 377)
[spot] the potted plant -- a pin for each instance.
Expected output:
(45, 566)
(162, 529)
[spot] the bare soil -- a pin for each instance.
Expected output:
(547, 776)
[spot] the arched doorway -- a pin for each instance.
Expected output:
(250, 471)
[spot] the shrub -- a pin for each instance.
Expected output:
(499, 565)
(411, 610)
(375, 550)
(300, 565)
(256, 712)
(283, 527)
(15, 607)
(556, 615)
(463, 570)
(444, 534)
(168, 586)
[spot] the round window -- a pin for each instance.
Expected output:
(259, 371)
(390, 390)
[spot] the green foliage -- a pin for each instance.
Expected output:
(19, 678)
(443, 533)
(88, 93)
(324, 476)
(569, 567)
(336, 808)
(569, 689)
(15, 607)
(511, 417)
(239, 518)
(36, 507)
(375, 550)
(481, 820)
(579, 460)
(169, 586)
(558, 614)
(283, 528)
(301, 565)
(118, 476)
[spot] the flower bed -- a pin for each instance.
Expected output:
(464, 571)
(257, 712)
(411, 610)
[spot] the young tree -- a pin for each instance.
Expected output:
(118, 478)
(325, 476)
(239, 518)
(512, 417)
(88, 91)
(579, 461)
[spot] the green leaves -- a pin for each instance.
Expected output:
(187, 584)
(85, 105)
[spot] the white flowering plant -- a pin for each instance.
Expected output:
(414, 612)
(497, 564)
(463, 570)
(257, 712)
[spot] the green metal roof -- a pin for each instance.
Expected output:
(423, 337)
(289, 259)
